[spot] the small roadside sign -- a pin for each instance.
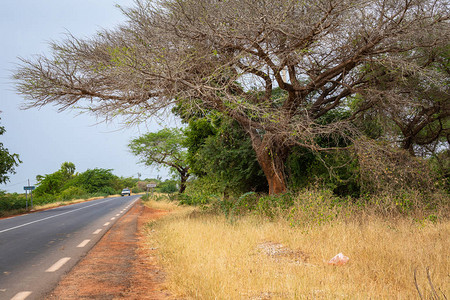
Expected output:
(29, 188)
(151, 185)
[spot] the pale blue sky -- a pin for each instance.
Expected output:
(44, 138)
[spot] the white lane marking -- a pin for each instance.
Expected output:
(117, 215)
(97, 231)
(64, 213)
(113, 218)
(106, 224)
(83, 243)
(58, 264)
(21, 295)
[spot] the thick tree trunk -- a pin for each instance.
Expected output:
(274, 173)
(408, 145)
(184, 177)
(271, 158)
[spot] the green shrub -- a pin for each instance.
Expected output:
(45, 199)
(196, 199)
(107, 190)
(232, 207)
(201, 191)
(168, 187)
(11, 201)
(315, 207)
(72, 192)
(271, 205)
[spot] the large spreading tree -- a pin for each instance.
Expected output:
(230, 56)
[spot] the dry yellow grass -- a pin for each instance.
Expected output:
(207, 257)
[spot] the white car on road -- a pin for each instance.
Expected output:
(125, 192)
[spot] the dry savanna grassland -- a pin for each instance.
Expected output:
(209, 256)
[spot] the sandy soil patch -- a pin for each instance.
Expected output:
(119, 266)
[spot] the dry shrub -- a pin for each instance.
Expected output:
(312, 207)
(387, 168)
(408, 203)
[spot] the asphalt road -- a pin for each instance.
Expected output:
(38, 248)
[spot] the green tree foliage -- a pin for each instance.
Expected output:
(222, 150)
(8, 161)
(336, 171)
(167, 186)
(50, 184)
(128, 182)
(66, 183)
(196, 133)
(54, 183)
(97, 181)
(163, 148)
(67, 170)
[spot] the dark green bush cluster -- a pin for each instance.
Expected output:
(167, 187)
(11, 201)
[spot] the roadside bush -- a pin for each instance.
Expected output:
(385, 169)
(306, 168)
(196, 199)
(320, 206)
(201, 191)
(72, 192)
(107, 190)
(407, 202)
(168, 187)
(316, 207)
(231, 207)
(251, 202)
(11, 201)
(272, 205)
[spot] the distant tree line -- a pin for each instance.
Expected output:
(66, 184)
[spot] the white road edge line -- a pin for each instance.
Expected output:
(113, 218)
(21, 295)
(106, 224)
(117, 215)
(58, 265)
(83, 243)
(97, 231)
